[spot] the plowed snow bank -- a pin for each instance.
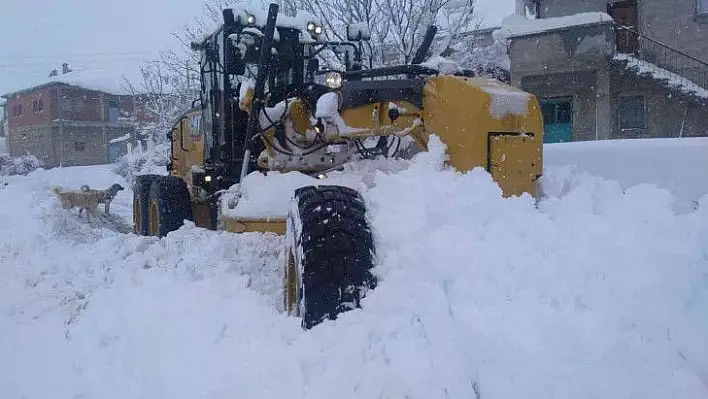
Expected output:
(677, 165)
(597, 293)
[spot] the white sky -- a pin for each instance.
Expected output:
(36, 36)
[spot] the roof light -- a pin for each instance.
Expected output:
(333, 80)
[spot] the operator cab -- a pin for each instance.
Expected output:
(229, 65)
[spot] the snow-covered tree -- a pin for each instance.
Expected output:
(160, 98)
(397, 26)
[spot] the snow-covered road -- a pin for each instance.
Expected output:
(599, 292)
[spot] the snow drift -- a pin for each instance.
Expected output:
(598, 291)
(677, 165)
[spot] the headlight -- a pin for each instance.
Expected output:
(250, 19)
(207, 179)
(314, 28)
(333, 80)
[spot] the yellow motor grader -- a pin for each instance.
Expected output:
(267, 105)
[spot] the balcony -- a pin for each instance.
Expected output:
(580, 42)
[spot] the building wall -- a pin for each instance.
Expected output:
(68, 103)
(78, 145)
(89, 105)
(35, 140)
(559, 8)
(30, 116)
(676, 25)
(666, 112)
(579, 85)
(577, 48)
(86, 145)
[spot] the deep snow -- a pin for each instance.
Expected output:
(677, 165)
(599, 292)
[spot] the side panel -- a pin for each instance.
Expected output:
(465, 112)
(187, 145)
(513, 160)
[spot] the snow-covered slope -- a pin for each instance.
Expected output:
(599, 292)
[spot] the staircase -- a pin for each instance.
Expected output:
(673, 68)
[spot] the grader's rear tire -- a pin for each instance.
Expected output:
(141, 192)
(169, 204)
(329, 254)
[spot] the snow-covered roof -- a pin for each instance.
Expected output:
(88, 79)
(124, 137)
(520, 26)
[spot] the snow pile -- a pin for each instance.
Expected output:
(443, 65)
(139, 161)
(674, 164)
(600, 292)
(21, 165)
(268, 195)
(673, 80)
(515, 25)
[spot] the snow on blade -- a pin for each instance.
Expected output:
(599, 292)
(505, 99)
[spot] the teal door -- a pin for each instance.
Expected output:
(114, 151)
(557, 119)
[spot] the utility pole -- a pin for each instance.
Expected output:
(104, 124)
(61, 128)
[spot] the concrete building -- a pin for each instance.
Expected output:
(3, 117)
(74, 118)
(613, 69)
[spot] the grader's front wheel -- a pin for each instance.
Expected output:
(141, 192)
(329, 254)
(169, 205)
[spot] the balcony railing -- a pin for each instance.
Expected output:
(688, 70)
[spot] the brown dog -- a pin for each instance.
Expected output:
(104, 196)
(82, 200)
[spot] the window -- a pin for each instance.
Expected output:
(17, 110)
(37, 106)
(702, 7)
(77, 105)
(79, 146)
(632, 112)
